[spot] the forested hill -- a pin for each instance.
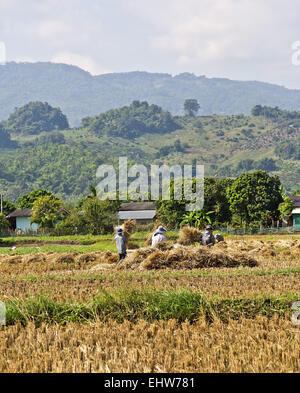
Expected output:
(80, 94)
(38, 150)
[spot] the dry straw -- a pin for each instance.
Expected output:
(182, 257)
(262, 345)
(189, 236)
(128, 228)
(49, 261)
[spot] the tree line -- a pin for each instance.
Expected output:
(252, 199)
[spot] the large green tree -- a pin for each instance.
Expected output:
(99, 216)
(215, 199)
(27, 201)
(47, 211)
(91, 216)
(8, 207)
(255, 196)
(173, 213)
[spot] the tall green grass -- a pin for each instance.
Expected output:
(150, 305)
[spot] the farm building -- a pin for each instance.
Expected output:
(20, 219)
(296, 212)
(142, 212)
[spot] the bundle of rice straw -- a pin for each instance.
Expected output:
(102, 267)
(13, 259)
(128, 228)
(134, 260)
(164, 246)
(148, 241)
(66, 258)
(189, 236)
(113, 259)
(103, 257)
(106, 254)
(35, 258)
(86, 258)
(182, 257)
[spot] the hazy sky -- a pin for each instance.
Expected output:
(237, 39)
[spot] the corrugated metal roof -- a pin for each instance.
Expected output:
(20, 213)
(137, 206)
(296, 199)
(137, 215)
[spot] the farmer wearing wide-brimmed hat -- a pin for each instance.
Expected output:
(159, 236)
(208, 238)
(121, 244)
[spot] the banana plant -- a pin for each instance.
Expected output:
(197, 219)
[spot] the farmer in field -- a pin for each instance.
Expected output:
(219, 238)
(121, 245)
(159, 236)
(208, 238)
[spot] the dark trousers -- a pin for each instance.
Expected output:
(122, 256)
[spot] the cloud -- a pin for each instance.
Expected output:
(52, 29)
(84, 62)
(211, 30)
(25, 60)
(2, 53)
(6, 4)
(238, 39)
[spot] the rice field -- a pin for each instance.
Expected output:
(257, 345)
(177, 308)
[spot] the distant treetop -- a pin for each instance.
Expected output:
(5, 141)
(191, 107)
(274, 113)
(36, 117)
(131, 121)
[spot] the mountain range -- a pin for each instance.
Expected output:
(79, 94)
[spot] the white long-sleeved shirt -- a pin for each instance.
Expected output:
(158, 238)
(121, 244)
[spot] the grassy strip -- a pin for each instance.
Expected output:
(80, 249)
(83, 240)
(149, 305)
(61, 248)
(120, 275)
(137, 236)
(244, 272)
